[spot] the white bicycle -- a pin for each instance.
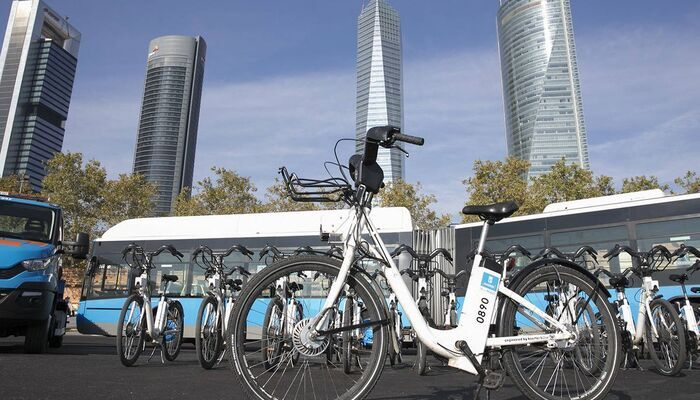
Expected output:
(136, 320)
(213, 313)
(658, 325)
(688, 313)
(507, 323)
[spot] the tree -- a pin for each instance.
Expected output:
(565, 182)
(403, 194)
(129, 196)
(495, 181)
(642, 182)
(77, 189)
(605, 184)
(230, 193)
(15, 184)
(689, 182)
(90, 202)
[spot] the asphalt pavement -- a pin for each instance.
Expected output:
(87, 367)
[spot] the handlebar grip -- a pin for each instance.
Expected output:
(612, 252)
(403, 248)
(444, 253)
(400, 137)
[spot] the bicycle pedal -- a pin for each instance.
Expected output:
(493, 380)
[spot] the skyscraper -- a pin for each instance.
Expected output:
(541, 91)
(167, 135)
(37, 68)
(379, 82)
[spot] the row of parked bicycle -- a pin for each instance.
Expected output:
(669, 333)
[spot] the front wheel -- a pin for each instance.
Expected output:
(667, 348)
(313, 376)
(172, 334)
(421, 358)
(131, 330)
(582, 367)
(208, 336)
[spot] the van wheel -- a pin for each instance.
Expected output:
(37, 337)
(56, 341)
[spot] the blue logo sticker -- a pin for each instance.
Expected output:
(490, 282)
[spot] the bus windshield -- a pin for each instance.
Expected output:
(26, 221)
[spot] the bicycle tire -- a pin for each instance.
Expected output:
(673, 367)
(208, 343)
(348, 313)
(394, 344)
(129, 359)
(272, 353)
(510, 324)
(242, 328)
(421, 358)
(175, 320)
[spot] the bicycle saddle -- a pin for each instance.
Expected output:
(169, 278)
(492, 212)
(678, 278)
(619, 281)
(295, 287)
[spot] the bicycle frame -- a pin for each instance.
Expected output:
(480, 302)
(638, 329)
(154, 326)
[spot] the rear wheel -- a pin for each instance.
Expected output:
(313, 376)
(172, 334)
(131, 330)
(208, 336)
(553, 370)
(667, 350)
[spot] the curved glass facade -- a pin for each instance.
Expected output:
(541, 91)
(167, 134)
(379, 83)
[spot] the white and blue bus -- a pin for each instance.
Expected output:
(639, 220)
(107, 278)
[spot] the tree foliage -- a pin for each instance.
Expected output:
(564, 182)
(495, 181)
(228, 193)
(15, 184)
(404, 194)
(642, 182)
(90, 202)
(689, 182)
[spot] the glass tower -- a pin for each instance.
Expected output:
(379, 82)
(37, 68)
(167, 133)
(541, 91)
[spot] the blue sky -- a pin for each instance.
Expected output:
(280, 84)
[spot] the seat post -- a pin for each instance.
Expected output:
(484, 235)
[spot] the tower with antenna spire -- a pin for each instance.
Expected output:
(379, 80)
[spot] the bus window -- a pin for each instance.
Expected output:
(532, 243)
(110, 277)
(601, 239)
(166, 263)
(671, 234)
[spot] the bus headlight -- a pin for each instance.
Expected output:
(37, 264)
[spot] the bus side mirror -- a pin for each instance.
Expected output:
(79, 248)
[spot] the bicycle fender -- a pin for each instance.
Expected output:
(549, 261)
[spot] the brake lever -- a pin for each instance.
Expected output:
(400, 149)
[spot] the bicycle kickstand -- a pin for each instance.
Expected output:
(162, 357)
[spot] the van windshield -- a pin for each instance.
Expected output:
(26, 221)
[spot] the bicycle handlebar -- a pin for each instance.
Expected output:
(685, 249)
(270, 248)
(422, 257)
